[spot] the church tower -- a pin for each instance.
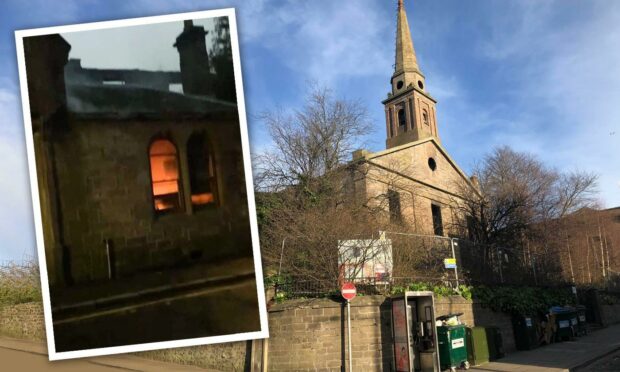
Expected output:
(409, 109)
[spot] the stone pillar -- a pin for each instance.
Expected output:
(388, 134)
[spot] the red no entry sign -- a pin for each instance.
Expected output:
(348, 291)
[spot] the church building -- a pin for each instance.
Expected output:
(414, 178)
(137, 170)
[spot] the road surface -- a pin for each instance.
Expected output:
(21, 355)
(605, 364)
(200, 312)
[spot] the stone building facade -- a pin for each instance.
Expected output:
(415, 179)
(132, 174)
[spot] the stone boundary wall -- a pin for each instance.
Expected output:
(231, 356)
(610, 314)
(23, 321)
(310, 335)
(305, 335)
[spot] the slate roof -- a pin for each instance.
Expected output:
(123, 102)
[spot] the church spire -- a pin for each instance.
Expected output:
(409, 109)
(405, 54)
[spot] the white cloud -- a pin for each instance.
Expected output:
(444, 87)
(517, 28)
(322, 42)
(563, 79)
(6, 96)
(43, 13)
(16, 223)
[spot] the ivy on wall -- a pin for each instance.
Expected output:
(522, 300)
(507, 299)
(439, 290)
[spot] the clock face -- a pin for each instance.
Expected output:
(399, 84)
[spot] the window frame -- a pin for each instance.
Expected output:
(180, 208)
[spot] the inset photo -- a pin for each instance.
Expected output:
(141, 184)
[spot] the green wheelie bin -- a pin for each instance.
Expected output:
(452, 347)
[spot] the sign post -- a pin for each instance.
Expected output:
(349, 292)
(453, 261)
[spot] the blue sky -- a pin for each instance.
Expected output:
(541, 76)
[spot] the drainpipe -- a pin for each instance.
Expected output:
(108, 253)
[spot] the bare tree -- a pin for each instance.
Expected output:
(311, 142)
(304, 205)
(575, 190)
(519, 191)
(522, 204)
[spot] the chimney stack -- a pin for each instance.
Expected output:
(195, 71)
(46, 57)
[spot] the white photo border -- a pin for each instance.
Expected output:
(53, 354)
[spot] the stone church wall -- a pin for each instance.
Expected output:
(103, 173)
(402, 169)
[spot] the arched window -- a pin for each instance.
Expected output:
(201, 165)
(165, 176)
(402, 119)
(425, 117)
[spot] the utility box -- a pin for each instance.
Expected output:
(477, 346)
(413, 330)
(495, 342)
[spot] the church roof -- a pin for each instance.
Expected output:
(405, 54)
(124, 102)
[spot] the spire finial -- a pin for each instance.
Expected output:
(400, 4)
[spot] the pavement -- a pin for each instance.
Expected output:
(199, 300)
(22, 355)
(569, 356)
(110, 292)
(608, 363)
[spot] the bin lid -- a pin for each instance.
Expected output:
(448, 316)
(559, 310)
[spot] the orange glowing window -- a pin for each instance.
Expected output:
(201, 171)
(165, 175)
